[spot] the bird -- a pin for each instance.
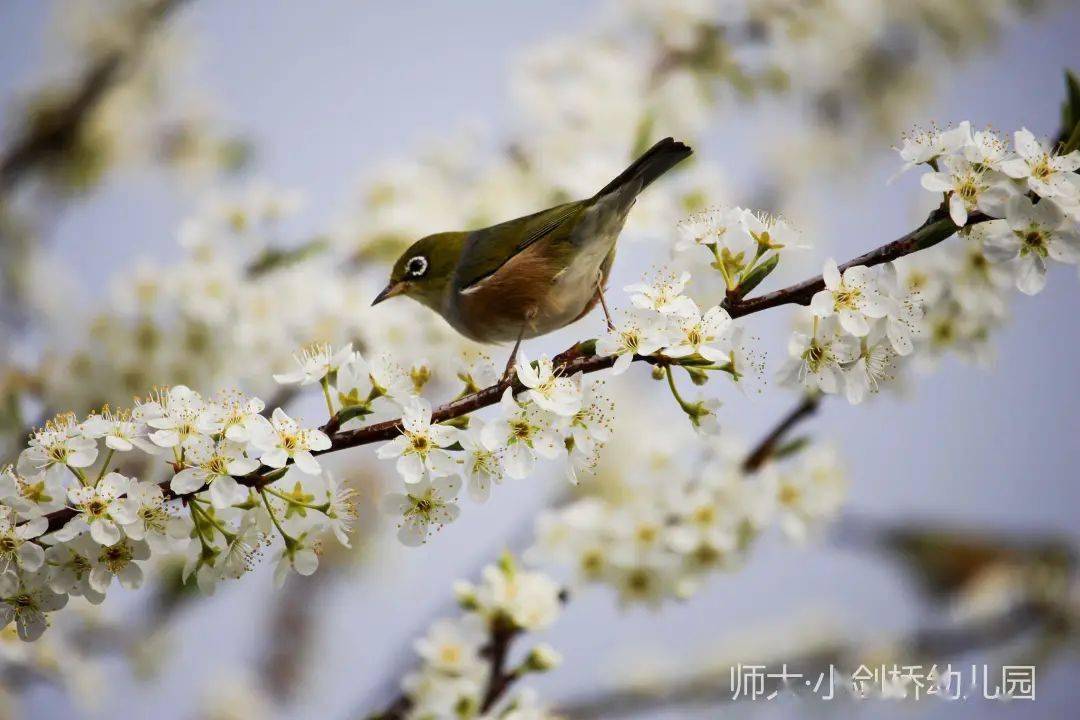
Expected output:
(530, 276)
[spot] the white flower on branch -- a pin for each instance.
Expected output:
(549, 390)
(59, 445)
(873, 366)
(119, 560)
(529, 600)
(1048, 175)
(281, 439)
(706, 335)
(720, 228)
(102, 509)
(970, 188)
(17, 546)
(70, 564)
(234, 415)
(904, 321)
(315, 362)
(419, 448)
(587, 430)
(1030, 234)
(427, 503)
(177, 417)
(662, 294)
(453, 647)
(151, 519)
(299, 554)
(120, 430)
(480, 466)
(215, 464)
(634, 334)
(853, 297)
(24, 600)
(926, 146)
(815, 359)
(525, 432)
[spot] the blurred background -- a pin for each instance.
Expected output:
(357, 126)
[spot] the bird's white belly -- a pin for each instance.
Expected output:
(574, 287)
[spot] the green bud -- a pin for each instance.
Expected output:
(506, 564)
(697, 375)
(542, 658)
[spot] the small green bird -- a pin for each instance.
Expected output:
(527, 277)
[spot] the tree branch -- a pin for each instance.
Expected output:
(581, 358)
(44, 140)
(499, 681)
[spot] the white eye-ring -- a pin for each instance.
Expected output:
(416, 266)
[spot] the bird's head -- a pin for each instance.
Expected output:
(424, 270)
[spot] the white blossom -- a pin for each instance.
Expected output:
(281, 439)
(854, 297)
(632, 335)
(480, 466)
(1031, 234)
(419, 448)
(315, 362)
(101, 508)
(547, 388)
(970, 188)
(1048, 175)
(428, 502)
(524, 432)
(25, 599)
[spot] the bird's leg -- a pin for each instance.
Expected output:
(508, 374)
(603, 302)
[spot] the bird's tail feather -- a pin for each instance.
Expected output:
(656, 161)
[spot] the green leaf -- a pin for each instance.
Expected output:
(1070, 113)
(759, 273)
(791, 447)
(274, 258)
(353, 411)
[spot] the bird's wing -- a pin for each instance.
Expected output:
(489, 249)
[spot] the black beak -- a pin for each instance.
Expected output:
(387, 292)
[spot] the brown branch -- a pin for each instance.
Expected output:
(764, 450)
(499, 680)
(53, 135)
(937, 227)
(581, 357)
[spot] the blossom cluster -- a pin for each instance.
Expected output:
(1031, 188)
(667, 326)
(555, 417)
(71, 522)
(661, 541)
(458, 655)
(867, 320)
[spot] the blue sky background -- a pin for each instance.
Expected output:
(326, 89)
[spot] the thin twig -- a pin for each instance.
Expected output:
(764, 449)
